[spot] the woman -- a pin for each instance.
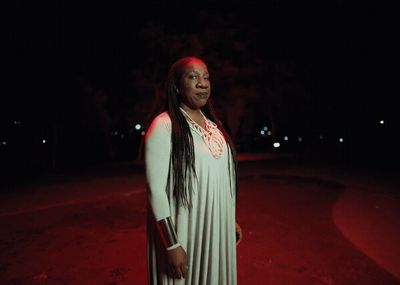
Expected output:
(191, 174)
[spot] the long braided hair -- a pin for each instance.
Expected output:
(182, 161)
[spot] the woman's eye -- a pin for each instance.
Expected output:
(193, 76)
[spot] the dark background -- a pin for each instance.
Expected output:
(80, 76)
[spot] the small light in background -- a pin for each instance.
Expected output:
(300, 139)
(17, 122)
(262, 132)
(321, 137)
(285, 138)
(3, 143)
(381, 122)
(43, 141)
(276, 144)
(265, 128)
(143, 133)
(269, 133)
(138, 127)
(341, 139)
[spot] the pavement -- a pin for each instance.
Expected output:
(304, 222)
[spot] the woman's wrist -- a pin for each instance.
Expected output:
(167, 232)
(173, 246)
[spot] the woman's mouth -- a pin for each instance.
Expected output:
(202, 95)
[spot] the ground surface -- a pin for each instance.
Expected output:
(303, 223)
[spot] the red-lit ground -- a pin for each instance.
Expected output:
(303, 224)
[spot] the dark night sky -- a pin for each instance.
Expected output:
(342, 43)
(339, 57)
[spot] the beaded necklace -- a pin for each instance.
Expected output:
(211, 135)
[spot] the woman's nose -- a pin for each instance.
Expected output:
(202, 83)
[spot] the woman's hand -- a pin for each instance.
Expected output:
(239, 234)
(177, 262)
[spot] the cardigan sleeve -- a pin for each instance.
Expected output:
(157, 161)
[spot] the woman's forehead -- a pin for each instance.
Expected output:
(196, 66)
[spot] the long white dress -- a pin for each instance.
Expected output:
(207, 230)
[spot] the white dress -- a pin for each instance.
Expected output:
(206, 231)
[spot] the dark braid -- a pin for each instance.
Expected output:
(182, 151)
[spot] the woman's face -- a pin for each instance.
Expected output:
(194, 88)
